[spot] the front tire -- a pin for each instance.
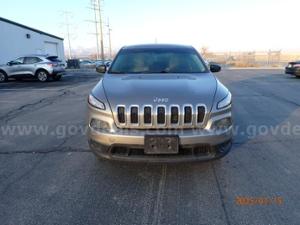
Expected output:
(42, 75)
(3, 77)
(223, 149)
(297, 73)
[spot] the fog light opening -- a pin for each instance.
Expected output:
(222, 124)
(100, 125)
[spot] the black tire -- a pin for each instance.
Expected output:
(297, 73)
(3, 77)
(57, 77)
(223, 149)
(42, 75)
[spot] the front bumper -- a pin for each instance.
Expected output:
(128, 144)
(135, 153)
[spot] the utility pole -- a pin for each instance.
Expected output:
(109, 38)
(67, 15)
(95, 21)
(101, 30)
(96, 7)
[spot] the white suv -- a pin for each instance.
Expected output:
(34, 66)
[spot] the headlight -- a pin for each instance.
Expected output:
(225, 102)
(96, 103)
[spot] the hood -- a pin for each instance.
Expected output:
(154, 89)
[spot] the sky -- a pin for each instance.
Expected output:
(219, 25)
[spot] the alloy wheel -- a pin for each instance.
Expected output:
(2, 77)
(42, 76)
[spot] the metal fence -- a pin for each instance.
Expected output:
(252, 59)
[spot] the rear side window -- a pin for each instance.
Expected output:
(18, 61)
(31, 60)
(53, 59)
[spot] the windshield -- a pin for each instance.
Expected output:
(158, 61)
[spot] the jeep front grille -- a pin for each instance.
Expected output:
(134, 115)
(200, 114)
(121, 114)
(174, 115)
(161, 116)
(188, 114)
(147, 115)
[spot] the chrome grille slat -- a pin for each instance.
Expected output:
(161, 116)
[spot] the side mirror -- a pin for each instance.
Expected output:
(9, 63)
(101, 68)
(214, 68)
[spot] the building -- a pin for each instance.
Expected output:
(19, 40)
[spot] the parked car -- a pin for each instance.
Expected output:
(100, 62)
(41, 67)
(293, 68)
(87, 64)
(73, 64)
(159, 103)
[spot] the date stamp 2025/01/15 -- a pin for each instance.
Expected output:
(248, 201)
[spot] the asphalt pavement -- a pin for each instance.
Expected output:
(49, 176)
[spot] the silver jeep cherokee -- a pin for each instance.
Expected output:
(159, 103)
(42, 67)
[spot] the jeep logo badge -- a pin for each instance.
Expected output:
(160, 100)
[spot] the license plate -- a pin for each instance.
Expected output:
(155, 144)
